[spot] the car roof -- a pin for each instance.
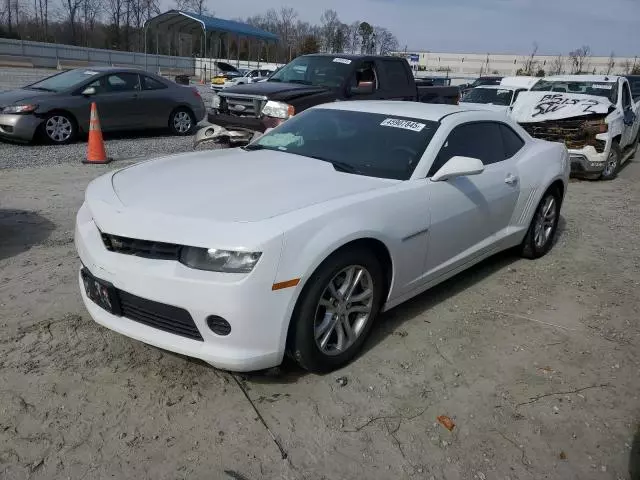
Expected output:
(583, 78)
(423, 111)
(103, 69)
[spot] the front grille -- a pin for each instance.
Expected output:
(571, 132)
(141, 248)
(241, 106)
(158, 315)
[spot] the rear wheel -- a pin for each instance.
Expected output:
(542, 231)
(612, 164)
(182, 121)
(336, 311)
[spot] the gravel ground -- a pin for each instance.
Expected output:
(118, 146)
(536, 362)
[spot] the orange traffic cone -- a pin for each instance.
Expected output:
(95, 149)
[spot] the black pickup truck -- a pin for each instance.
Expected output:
(310, 80)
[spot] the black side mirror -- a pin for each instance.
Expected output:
(363, 88)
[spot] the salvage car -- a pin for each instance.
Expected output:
(594, 115)
(59, 106)
(310, 80)
(297, 242)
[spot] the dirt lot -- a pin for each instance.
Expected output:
(536, 362)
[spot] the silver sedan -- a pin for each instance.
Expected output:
(59, 106)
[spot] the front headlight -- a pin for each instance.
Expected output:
(219, 260)
(215, 101)
(278, 110)
(19, 109)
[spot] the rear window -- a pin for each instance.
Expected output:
(375, 145)
(396, 73)
(489, 96)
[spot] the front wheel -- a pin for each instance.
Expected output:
(336, 311)
(59, 128)
(612, 164)
(182, 122)
(539, 238)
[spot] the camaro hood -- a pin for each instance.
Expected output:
(233, 185)
(12, 97)
(533, 107)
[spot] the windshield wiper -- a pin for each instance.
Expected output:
(274, 80)
(253, 147)
(301, 82)
(42, 89)
(337, 164)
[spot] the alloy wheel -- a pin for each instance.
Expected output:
(545, 221)
(182, 122)
(58, 128)
(344, 309)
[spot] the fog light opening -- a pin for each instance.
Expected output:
(219, 325)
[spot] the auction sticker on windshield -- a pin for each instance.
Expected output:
(90, 72)
(406, 124)
(603, 86)
(346, 61)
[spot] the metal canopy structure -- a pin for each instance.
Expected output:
(212, 30)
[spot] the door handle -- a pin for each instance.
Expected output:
(511, 179)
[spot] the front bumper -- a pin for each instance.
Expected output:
(587, 161)
(19, 127)
(258, 316)
(249, 123)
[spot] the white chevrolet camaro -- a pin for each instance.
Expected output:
(296, 243)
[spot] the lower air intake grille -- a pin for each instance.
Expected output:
(141, 248)
(158, 315)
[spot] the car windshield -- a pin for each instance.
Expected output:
(608, 90)
(315, 70)
(375, 145)
(63, 81)
(492, 96)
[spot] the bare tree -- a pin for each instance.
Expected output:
(557, 65)
(579, 58)
(611, 63)
(330, 24)
(385, 41)
(71, 10)
(530, 63)
(354, 37)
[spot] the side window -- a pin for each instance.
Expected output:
(511, 141)
(366, 73)
(626, 97)
(122, 82)
(482, 140)
(395, 72)
(149, 83)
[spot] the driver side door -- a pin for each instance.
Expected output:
(630, 121)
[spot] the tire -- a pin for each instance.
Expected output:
(182, 122)
(59, 128)
(318, 341)
(544, 224)
(612, 164)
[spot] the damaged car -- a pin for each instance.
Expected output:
(595, 116)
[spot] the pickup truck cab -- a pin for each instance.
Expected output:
(311, 80)
(595, 116)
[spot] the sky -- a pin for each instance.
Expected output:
(479, 26)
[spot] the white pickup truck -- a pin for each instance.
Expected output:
(595, 116)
